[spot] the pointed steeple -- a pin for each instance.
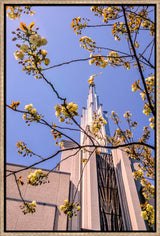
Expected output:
(93, 106)
(92, 103)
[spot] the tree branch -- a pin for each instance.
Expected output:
(62, 161)
(150, 64)
(83, 59)
(138, 63)
(82, 147)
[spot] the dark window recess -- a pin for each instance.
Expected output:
(110, 211)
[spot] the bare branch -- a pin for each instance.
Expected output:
(82, 174)
(83, 59)
(20, 194)
(150, 64)
(146, 48)
(62, 161)
(92, 26)
(115, 50)
(151, 51)
(82, 147)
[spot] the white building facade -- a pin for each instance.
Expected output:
(107, 192)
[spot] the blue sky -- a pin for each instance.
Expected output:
(113, 86)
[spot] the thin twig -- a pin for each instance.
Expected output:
(151, 51)
(92, 26)
(62, 161)
(20, 194)
(82, 174)
(146, 48)
(150, 64)
(110, 49)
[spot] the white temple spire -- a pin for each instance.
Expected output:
(93, 106)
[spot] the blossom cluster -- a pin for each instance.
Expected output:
(150, 86)
(84, 160)
(148, 163)
(136, 86)
(150, 26)
(57, 136)
(128, 134)
(127, 65)
(28, 207)
(148, 189)
(123, 135)
(78, 24)
(87, 43)
(29, 53)
(16, 11)
(152, 122)
(150, 82)
(68, 110)
(108, 13)
(14, 105)
(31, 114)
(70, 209)
(22, 149)
(114, 116)
(146, 134)
(138, 174)
(137, 20)
(118, 30)
(19, 180)
(119, 136)
(98, 60)
(148, 213)
(37, 41)
(146, 109)
(143, 95)
(144, 155)
(37, 178)
(112, 59)
(97, 123)
(127, 116)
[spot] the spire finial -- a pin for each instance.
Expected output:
(91, 78)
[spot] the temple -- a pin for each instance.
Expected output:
(108, 193)
(103, 185)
